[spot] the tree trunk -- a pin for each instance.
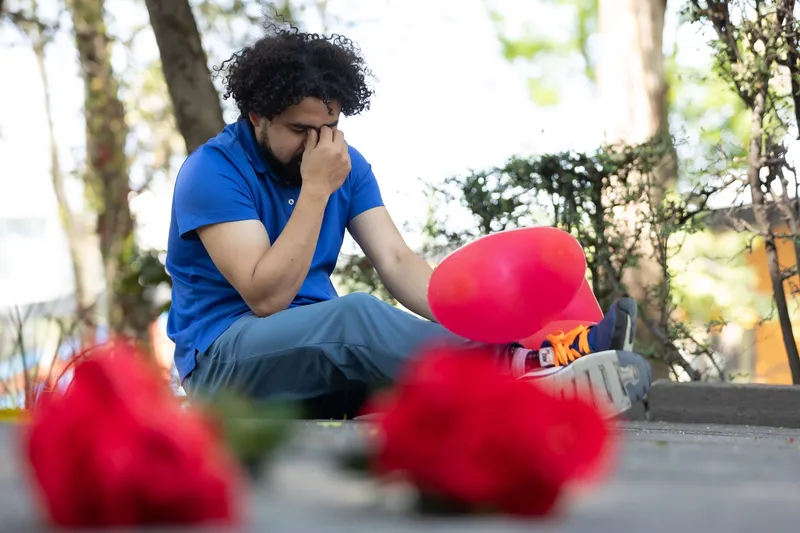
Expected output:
(630, 75)
(106, 178)
(759, 210)
(77, 241)
(195, 101)
(632, 91)
(792, 62)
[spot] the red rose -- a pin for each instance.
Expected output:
(117, 449)
(459, 427)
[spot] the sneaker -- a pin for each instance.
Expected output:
(595, 361)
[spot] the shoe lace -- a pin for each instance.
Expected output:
(563, 345)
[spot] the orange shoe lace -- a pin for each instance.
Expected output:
(562, 344)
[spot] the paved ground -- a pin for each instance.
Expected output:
(671, 478)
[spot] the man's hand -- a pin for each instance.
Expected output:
(326, 161)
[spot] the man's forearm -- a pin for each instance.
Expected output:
(280, 273)
(407, 280)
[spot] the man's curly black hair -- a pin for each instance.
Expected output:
(288, 65)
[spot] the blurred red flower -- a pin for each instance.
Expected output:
(117, 449)
(459, 428)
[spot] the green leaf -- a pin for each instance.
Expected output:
(541, 93)
(252, 430)
(532, 46)
(529, 47)
(495, 16)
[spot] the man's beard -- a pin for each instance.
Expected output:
(285, 172)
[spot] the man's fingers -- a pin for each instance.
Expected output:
(338, 139)
(311, 139)
(325, 135)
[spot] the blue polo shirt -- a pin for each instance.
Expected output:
(225, 180)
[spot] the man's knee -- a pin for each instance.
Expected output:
(359, 301)
(359, 314)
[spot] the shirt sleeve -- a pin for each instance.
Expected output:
(210, 190)
(365, 193)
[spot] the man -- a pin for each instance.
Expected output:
(258, 220)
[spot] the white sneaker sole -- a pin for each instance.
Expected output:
(597, 377)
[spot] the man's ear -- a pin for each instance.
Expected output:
(255, 119)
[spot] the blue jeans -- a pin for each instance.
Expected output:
(313, 350)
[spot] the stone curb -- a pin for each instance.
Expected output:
(721, 403)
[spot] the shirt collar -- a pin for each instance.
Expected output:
(247, 138)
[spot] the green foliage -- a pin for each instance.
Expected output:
(715, 100)
(355, 273)
(142, 273)
(228, 18)
(705, 112)
(542, 93)
(756, 44)
(714, 282)
(756, 53)
(582, 193)
(533, 46)
(217, 16)
(529, 47)
(702, 111)
(253, 431)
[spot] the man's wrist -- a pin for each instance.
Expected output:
(314, 194)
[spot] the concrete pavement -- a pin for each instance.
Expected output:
(671, 477)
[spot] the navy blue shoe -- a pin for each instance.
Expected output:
(597, 362)
(617, 331)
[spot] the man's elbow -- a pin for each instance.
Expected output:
(264, 307)
(262, 310)
(394, 261)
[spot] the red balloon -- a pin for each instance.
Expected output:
(582, 310)
(534, 342)
(583, 306)
(506, 286)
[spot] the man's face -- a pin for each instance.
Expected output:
(283, 138)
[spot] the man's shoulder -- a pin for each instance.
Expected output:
(208, 158)
(220, 159)
(221, 152)
(357, 159)
(360, 168)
